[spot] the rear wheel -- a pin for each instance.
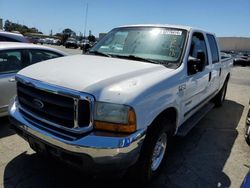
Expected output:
(248, 140)
(248, 129)
(220, 97)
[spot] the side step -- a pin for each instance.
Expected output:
(194, 119)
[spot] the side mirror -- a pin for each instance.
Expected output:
(196, 64)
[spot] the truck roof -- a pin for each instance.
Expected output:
(188, 28)
(159, 25)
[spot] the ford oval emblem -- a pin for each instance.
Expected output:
(38, 104)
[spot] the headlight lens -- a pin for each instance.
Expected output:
(114, 117)
(109, 112)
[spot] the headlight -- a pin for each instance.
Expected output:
(114, 117)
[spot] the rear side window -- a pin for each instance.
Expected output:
(10, 62)
(7, 39)
(42, 55)
(213, 48)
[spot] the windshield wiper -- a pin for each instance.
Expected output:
(132, 57)
(99, 53)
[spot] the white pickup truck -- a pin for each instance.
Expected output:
(119, 105)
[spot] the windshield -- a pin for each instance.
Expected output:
(160, 45)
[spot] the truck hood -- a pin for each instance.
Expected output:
(93, 74)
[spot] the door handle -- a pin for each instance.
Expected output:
(12, 79)
(220, 72)
(210, 75)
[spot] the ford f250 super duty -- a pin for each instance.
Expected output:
(119, 105)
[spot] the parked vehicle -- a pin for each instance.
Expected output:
(56, 42)
(247, 135)
(12, 37)
(71, 43)
(242, 59)
(246, 182)
(13, 57)
(225, 55)
(121, 104)
(41, 41)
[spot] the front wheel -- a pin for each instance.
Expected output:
(154, 151)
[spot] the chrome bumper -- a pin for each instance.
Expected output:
(112, 151)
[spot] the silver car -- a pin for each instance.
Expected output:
(13, 57)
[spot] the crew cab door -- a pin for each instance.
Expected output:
(198, 73)
(215, 73)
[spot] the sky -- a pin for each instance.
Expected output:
(222, 17)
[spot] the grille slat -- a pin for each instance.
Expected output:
(52, 107)
(49, 110)
(52, 99)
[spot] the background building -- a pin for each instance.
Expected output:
(234, 43)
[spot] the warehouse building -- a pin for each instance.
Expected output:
(234, 44)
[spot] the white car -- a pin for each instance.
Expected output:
(12, 37)
(13, 57)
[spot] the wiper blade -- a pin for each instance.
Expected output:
(99, 53)
(132, 57)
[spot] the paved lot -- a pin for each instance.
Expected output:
(213, 154)
(69, 51)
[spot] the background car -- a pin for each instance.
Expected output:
(13, 57)
(242, 59)
(12, 37)
(246, 182)
(71, 43)
(225, 55)
(247, 135)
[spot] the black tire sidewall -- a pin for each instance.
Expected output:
(153, 134)
(220, 97)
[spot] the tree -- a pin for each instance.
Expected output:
(10, 26)
(66, 33)
(91, 38)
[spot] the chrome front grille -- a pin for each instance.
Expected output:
(55, 106)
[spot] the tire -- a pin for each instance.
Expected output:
(157, 143)
(247, 137)
(220, 97)
(248, 140)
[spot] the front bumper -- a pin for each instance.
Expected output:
(97, 151)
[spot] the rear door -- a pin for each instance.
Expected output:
(10, 64)
(215, 72)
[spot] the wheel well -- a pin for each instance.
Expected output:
(169, 114)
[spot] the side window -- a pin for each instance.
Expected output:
(41, 55)
(10, 62)
(7, 39)
(213, 48)
(198, 45)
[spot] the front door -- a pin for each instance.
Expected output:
(197, 84)
(10, 63)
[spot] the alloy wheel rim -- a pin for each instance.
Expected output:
(159, 151)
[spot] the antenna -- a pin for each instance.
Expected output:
(86, 18)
